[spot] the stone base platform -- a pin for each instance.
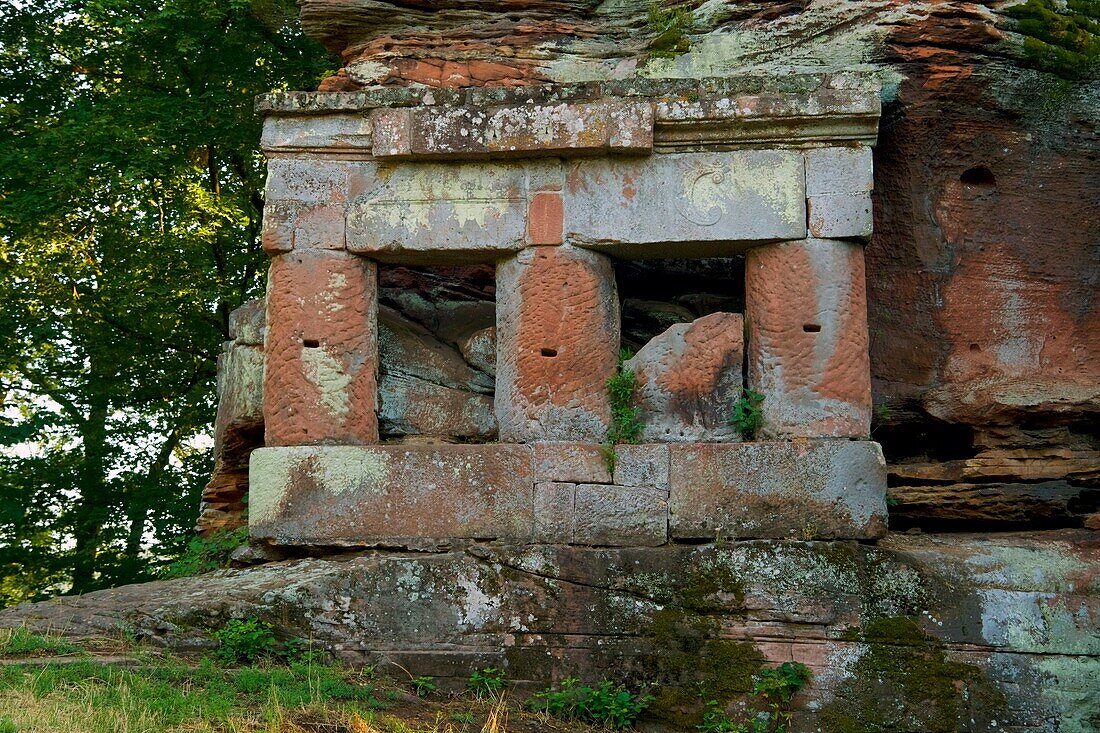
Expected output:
(567, 493)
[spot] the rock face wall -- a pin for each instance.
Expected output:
(982, 269)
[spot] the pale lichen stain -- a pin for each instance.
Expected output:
(328, 375)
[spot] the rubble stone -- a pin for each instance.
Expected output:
(690, 379)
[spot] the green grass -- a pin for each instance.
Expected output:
(21, 642)
(90, 697)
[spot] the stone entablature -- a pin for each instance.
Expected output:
(550, 184)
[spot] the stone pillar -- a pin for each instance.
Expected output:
(557, 344)
(806, 317)
(320, 380)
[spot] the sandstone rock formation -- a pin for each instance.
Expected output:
(921, 633)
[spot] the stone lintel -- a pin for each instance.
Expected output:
(686, 204)
(631, 116)
(590, 128)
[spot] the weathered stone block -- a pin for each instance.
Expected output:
(686, 204)
(806, 312)
(554, 512)
(247, 324)
(690, 378)
(557, 345)
(620, 516)
(642, 465)
(608, 125)
(839, 170)
(347, 495)
(829, 489)
(320, 380)
(840, 216)
(433, 212)
(292, 225)
(578, 463)
(305, 204)
(339, 131)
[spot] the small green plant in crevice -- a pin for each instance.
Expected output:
(21, 641)
(626, 425)
(204, 554)
(606, 704)
(245, 640)
(669, 28)
(773, 690)
(486, 682)
(747, 416)
(423, 685)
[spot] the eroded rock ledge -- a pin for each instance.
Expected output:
(922, 632)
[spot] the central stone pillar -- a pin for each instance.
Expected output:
(557, 345)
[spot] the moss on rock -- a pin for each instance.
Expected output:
(904, 681)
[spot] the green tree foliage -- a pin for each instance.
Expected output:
(130, 207)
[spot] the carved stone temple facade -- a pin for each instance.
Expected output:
(553, 184)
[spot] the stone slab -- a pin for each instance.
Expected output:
(390, 494)
(686, 204)
(462, 212)
(557, 345)
(339, 132)
(826, 489)
(560, 129)
(578, 463)
(554, 512)
(642, 465)
(806, 317)
(620, 516)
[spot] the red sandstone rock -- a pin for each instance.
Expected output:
(806, 317)
(545, 218)
(320, 383)
(557, 341)
(689, 380)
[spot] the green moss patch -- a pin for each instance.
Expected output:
(1061, 38)
(905, 682)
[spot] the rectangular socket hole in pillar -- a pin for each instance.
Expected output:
(811, 327)
(436, 353)
(549, 352)
(311, 343)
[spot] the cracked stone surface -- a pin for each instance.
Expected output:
(1013, 613)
